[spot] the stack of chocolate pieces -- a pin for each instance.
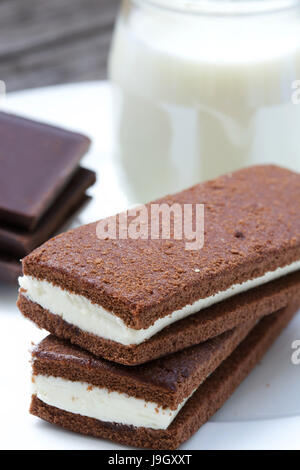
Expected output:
(148, 340)
(41, 185)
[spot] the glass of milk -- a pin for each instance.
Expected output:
(203, 87)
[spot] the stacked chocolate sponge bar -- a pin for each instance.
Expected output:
(148, 339)
(41, 185)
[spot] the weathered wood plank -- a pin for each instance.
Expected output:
(31, 23)
(66, 41)
(84, 60)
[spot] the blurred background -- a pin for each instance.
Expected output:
(59, 41)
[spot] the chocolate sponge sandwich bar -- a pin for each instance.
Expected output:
(114, 296)
(158, 405)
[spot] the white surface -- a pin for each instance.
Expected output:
(100, 403)
(81, 312)
(264, 413)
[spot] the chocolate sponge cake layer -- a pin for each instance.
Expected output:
(206, 400)
(252, 227)
(167, 381)
(195, 329)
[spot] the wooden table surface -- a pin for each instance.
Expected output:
(44, 42)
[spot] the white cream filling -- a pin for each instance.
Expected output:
(92, 318)
(99, 403)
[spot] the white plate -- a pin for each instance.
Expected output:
(264, 413)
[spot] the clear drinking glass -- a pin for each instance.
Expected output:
(203, 87)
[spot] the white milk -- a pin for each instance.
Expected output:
(197, 95)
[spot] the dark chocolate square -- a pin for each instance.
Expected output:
(36, 163)
(20, 242)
